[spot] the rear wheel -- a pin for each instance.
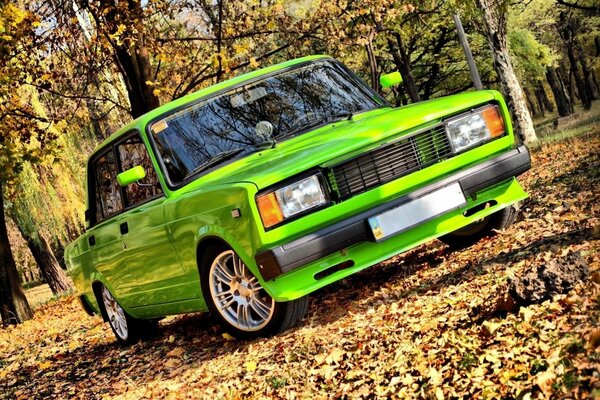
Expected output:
(126, 328)
(236, 298)
(472, 233)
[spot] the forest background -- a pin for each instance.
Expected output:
(73, 71)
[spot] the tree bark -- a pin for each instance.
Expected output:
(373, 67)
(564, 76)
(567, 30)
(543, 96)
(43, 255)
(14, 308)
(402, 62)
(588, 79)
(562, 100)
(495, 33)
(532, 107)
(579, 81)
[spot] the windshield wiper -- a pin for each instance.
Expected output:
(321, 122)
(217, 159)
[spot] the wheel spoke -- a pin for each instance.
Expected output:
(224, 293)
(227, 303)
(243, 312)
(238, 266)
(260, 307)
(223, 274)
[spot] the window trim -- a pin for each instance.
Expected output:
(122, 140)
(112, 147)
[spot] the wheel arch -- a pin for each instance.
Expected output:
(97, 288)
(205, 244)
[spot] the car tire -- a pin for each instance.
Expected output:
(472, 233)
(127, 329)
(237, 300)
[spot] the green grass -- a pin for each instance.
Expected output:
(38, 295)
(581, 123)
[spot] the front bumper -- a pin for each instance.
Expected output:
(290, 256)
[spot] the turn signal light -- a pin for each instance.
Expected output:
(493, 121)
(270, 210)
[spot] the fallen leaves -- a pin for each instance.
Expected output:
(416, 326)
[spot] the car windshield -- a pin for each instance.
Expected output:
(232, 124)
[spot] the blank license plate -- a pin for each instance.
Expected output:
(417, 211)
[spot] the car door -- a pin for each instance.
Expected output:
(151, 270)
(106, 202)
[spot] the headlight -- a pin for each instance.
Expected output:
(278, 205)
(468, 130)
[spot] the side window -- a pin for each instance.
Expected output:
(108, 193)
(132, 153)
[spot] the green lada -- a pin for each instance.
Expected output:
(244, 197)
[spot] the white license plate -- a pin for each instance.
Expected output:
(417, 211)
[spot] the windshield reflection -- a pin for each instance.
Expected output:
(196, 138)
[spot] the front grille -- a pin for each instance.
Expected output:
(389, 162)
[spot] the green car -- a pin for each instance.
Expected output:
(244, 197)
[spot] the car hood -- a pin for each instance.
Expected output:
(332, 143)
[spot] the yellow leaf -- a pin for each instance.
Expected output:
(439, 394)
(250, 366)
(489, 328)
(544, 380)
(253, 62)
(335, 356)
(435, 377)
(45, 365)
(228, 337)
(526, 313)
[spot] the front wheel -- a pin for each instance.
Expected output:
(236, 298)
(472, 233)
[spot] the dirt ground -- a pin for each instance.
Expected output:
(413, 326)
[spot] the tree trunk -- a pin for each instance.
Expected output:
(402, 62)
(53, 274)
(588, 79)
(533, 109)
(567, 31)
(14, 308)
(373, 63)
(543, 96)
(131, 56)
(562, 100)
(564, 76)
(495, 32)
(579, 81)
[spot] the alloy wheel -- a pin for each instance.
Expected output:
(237, 294)
(116, 314)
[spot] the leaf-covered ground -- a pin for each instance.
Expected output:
(417, 325)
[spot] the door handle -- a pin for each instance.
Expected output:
(92, 240)
(124, 228)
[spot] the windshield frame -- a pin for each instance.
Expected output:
(376, 97)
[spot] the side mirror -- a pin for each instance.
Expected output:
(131, 175)
(391, 79)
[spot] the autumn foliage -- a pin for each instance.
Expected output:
(422, 325)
